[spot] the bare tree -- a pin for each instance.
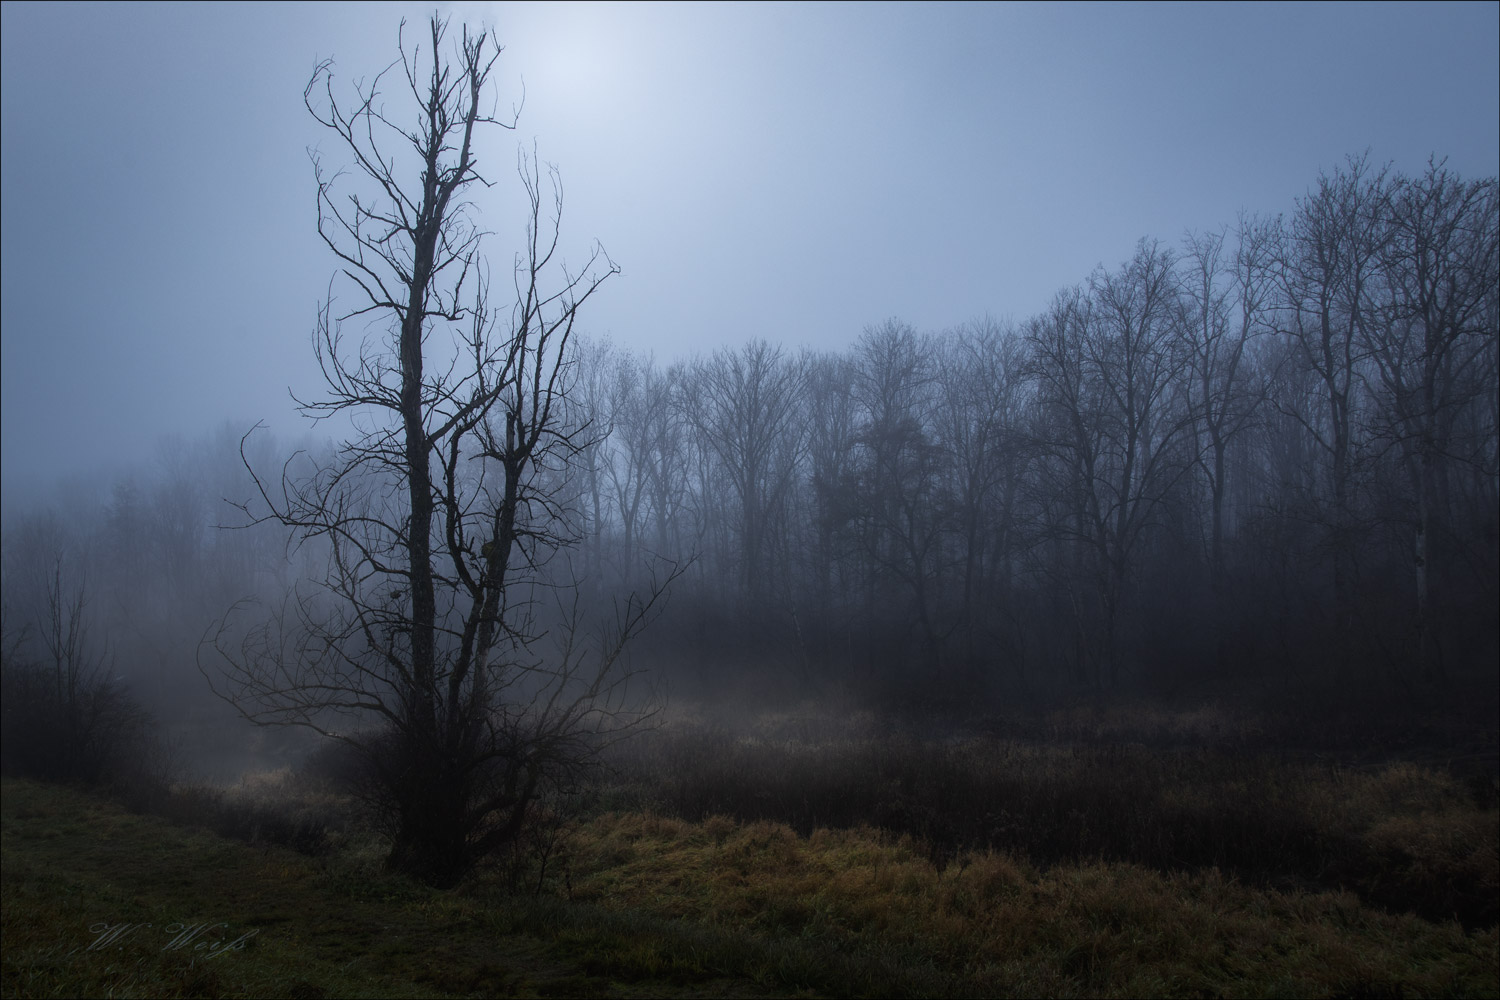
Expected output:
(626, 463)
(1107, 369)
(445, 512)
(67, 716)
(898, 502)
(743, 405)
(644, 463)
(832, 438)
(1329, 282)
(978, 424)
(666, 465)
(1227, 294)
(1434, 352)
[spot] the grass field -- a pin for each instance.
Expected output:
(644, 893)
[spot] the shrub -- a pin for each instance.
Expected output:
(65, 717)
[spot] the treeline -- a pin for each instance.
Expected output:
(110, 588)
(1269, 452)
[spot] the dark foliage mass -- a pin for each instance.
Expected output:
(67, 716)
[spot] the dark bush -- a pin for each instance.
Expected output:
(66, 723)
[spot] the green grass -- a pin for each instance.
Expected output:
(73, 863)
(641, 905)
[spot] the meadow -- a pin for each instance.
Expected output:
(1091, 852)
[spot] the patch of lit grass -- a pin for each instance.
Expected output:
(1407, 838)
(989, 924)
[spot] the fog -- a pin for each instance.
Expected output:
(959, 355)
(786, 173)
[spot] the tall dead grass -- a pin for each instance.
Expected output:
(1004, 926)
(1408, 838)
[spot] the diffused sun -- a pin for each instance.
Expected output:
(574, 66)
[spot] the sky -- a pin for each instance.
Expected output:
(789, 172)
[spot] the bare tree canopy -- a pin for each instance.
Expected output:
(445, 513)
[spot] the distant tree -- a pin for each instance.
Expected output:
(68, 717)
(1227, 293)
(420, 649)
(594, 362)
(663, 454)
(744, 406)
(644, 464)
(979, 427)
(832, 432)
(898, 506)
(1108, 370)
(1433, 350)
(627, 464)
(1329, 287)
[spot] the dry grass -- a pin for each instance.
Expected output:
(1407, 838)
(990, 924)
(836, 857)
